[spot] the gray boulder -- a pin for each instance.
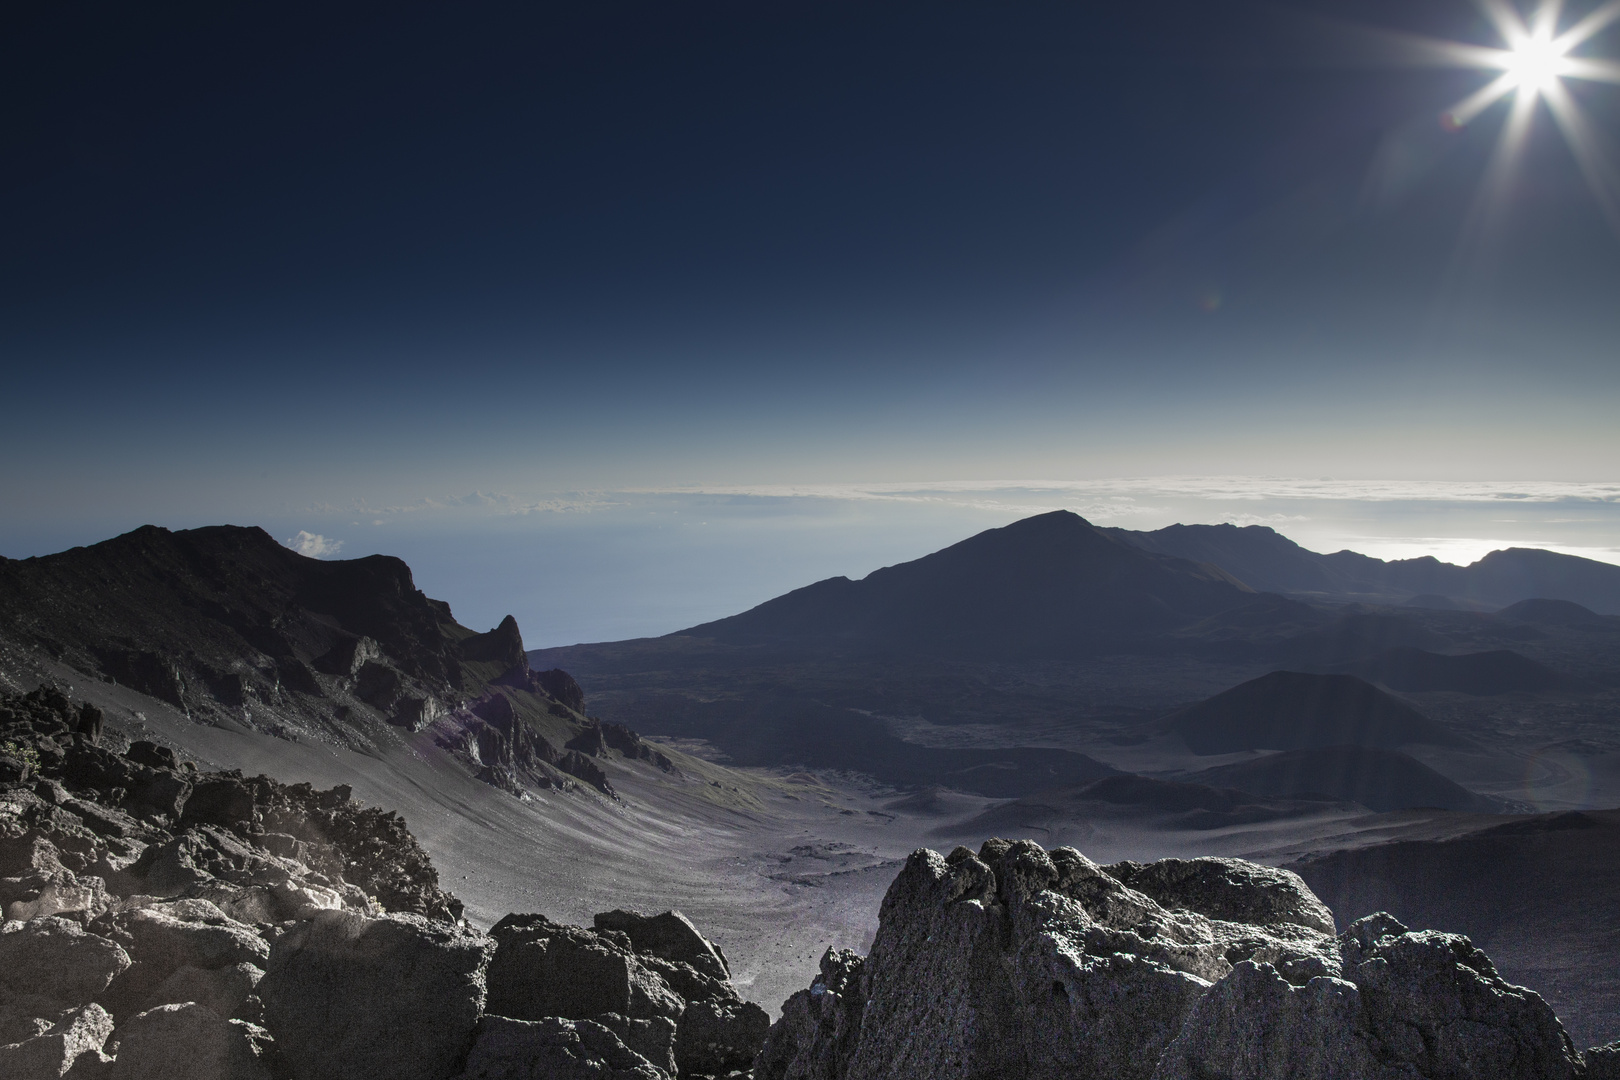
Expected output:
(670, 936)
(653, 1039)
(553, 1049)
(224, 990)
(1232, 889)
(542, 969)
(1603, 1062)
(392, 998)
(189, 1042)
(1023, 964)
(167, 938)
(50, 1054)
(56, 958)
(720, 1036)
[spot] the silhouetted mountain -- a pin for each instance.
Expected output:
(1270, 562)
(1044, 585)
(1499, 671)
(1376, 778)
(1290, 710)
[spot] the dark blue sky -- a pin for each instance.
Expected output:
(256, 258)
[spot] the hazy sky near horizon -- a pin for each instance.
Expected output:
(289, 264)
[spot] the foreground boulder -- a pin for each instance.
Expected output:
(55, 1051)
(655, 981)
(1017, 963)
(553, 1049)
(190, 1042)
(348, 997)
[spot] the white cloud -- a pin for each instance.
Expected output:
(314, 545)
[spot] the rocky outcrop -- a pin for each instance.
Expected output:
(90, 825)
(397, 996)
(165, 922)
(554, 1049)
(188, 1041)
(1024, 964)
(655, 981)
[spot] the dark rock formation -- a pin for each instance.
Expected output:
(560, 686)
(188, 1041)
(398, 996)
(654, 980)
(1020, 964)
(553, 1049)
(599, 738)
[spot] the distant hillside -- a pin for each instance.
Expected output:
(1499, 671)
(1555, 613)
(1265, 560)
(1376, 778)
(1045, 585)
(1290, 710)
(1168, 803)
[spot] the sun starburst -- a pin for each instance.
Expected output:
(1535, 58)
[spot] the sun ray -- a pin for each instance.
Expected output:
(1544, 23)
(1594, 23)
(1590, 152)
(1593, 70)
(1475, 251)
(1506, 20)
(1466, 110)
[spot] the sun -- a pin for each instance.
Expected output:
(1537, 62)
(1535, 58)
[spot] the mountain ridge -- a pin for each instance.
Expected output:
(1269, 561)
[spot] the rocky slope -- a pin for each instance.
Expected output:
(1019, 963)
(162, 922)
(236, 630)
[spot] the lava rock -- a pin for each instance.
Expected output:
(49, 1055)
(545, 969)
(553, 1049)
(222, 800)
(189, 1042)
(56, 959)
(671, 936)
(1026, 965)
(397, 998)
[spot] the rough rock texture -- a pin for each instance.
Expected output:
(91, 826)
(1603, 1062)
(654, 980)
(346, 996)
(189, 1042)
(553, 1049)
(53, 1052)
(1019, 963)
